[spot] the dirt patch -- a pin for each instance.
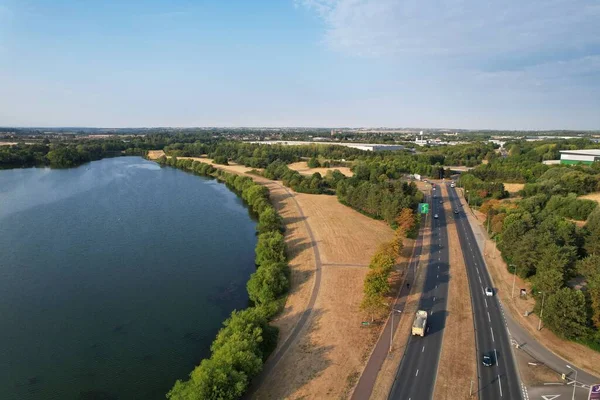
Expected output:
(8, 143)
(577, 354)
(513, 187)
(457, 367)
(534, 373)
(591, 196)
(303, 168)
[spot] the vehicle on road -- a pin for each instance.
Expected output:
(452, 185)
(441, 201)
(489, 291)
(435, 216)
(487, 360)
(420, 323)
(456, 211)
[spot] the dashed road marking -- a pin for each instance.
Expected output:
(417, 374)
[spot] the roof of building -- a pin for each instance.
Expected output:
(589, 152)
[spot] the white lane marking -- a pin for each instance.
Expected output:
(492, 334)
(422, 350)
(500, 385)
(485, 302)
(417, 374)
(489, 319)
(479, 279)
(437, 276)
(496, 356)
(433, 298)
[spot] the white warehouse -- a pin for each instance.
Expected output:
(579, 156)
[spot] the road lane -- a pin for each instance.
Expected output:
(499, 381)
(415, 378)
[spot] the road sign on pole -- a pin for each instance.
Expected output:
(423, 208)
(594, 392)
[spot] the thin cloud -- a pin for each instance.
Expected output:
(457, 28)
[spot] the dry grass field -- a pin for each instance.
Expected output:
(457, 365)
(302, 167)
(325, 360)
(513, 187)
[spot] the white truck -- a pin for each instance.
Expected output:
(420, 323)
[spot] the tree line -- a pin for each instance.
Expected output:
(246, 339)
(540, 243)
(376, 285)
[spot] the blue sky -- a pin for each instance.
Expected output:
(413, 63)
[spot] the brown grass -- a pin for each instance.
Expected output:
(387, 373)
(513, 187)
(302, 167)
(592, 196)
(326, 358)
(457, 365)
(155, 154)
(577, 354)
(7, 143)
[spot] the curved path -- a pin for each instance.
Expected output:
(274, 359)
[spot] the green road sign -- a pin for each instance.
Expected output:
(423, 208)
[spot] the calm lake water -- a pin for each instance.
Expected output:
(114, 277)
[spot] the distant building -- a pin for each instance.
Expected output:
(579, 156)
(360, 146)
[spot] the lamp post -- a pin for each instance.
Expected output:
(574, 382)
(392, 327)
(542, 311)
(514, 279)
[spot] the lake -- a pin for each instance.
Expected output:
(115, 277)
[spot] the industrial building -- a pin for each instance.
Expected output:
(360, 146)
(579, 156)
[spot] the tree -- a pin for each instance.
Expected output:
(269, 220)
(270, 248)
(267, 283)
(373, 305)
(592, 228)
(313, 162)
(565, 313)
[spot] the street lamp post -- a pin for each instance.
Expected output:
(514, 279)
(392, 327)
(542, 311)
(574, 382)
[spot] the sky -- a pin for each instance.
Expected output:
(473, 64)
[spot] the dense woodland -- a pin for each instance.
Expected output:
(539, 239)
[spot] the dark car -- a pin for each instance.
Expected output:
(487, 360)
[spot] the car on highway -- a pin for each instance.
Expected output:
(435, 216)
(487, 360)
(452, 184)
(442, 201)
(456, 211)
(489, 291)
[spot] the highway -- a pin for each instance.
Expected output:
(415, 377)
(501, 380)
